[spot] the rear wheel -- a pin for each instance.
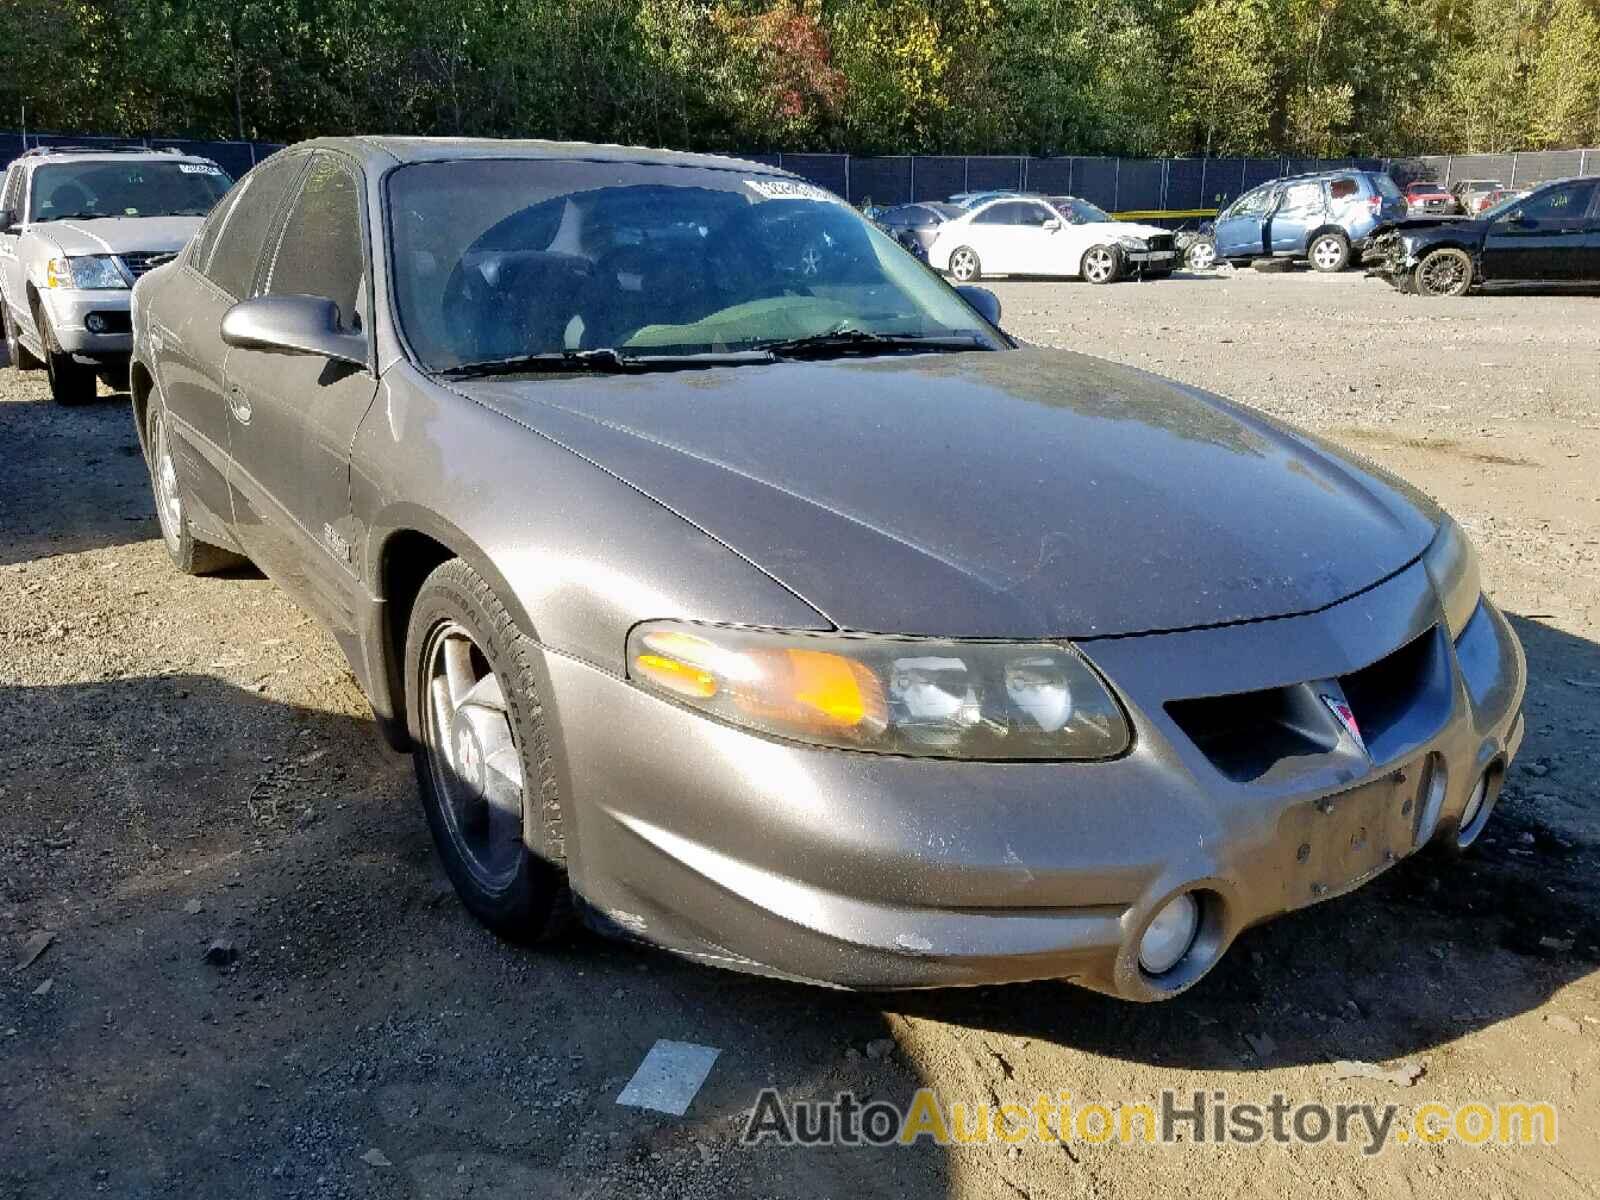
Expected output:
(1201, 256)
(1446, 272)
(188, 553)
(1102, 264)
(964, 264)
(483, 757)
(1329, 252)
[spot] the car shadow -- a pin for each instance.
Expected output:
(76, 459)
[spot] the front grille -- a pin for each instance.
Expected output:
(1399, 701)
(140, 261)
(1162, 241)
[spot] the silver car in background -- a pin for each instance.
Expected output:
(739, 587)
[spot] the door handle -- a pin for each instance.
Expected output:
(238, 404)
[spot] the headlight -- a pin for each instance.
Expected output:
(945, 699)
(1129, 242)
(89, 272)
(1453, 566)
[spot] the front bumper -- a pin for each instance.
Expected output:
(867, 871)
(71, 310)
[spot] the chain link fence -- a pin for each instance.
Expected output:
(1175, 188)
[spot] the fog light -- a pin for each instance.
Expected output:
(1170, 935)
(95, 323)
(1475, 802)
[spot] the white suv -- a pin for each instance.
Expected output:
(77, 227)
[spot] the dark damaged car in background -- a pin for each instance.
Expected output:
(1550, 235)
(738, 586)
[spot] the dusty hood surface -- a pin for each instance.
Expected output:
(1006, 494)
(119, 235)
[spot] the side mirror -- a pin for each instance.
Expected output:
(982, 299)
(1053, 224)
(292, 325)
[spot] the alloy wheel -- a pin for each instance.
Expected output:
(1443, 274)
(1202, 256)
(476, 765)
(1326, 254)
(964, 264)
(1098, 264)
(164, 473)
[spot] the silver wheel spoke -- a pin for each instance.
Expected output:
(457, 654)
(485, 693)
(444, 709)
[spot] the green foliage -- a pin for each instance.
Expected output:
(1302, 77)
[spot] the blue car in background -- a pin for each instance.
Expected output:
(1324, 218)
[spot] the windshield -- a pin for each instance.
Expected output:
(505, 258)
(140, 188)
(1081, 212)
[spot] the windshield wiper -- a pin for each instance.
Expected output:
(604, 358)
(853, 341)
(73, 216)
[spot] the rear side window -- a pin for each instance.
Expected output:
(1343, 189)
(1387, 186)
(11, 197)
(207, 237)
(319, 252)
(231, 264)
(1302, 197)
(1003, 214)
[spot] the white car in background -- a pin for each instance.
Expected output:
(1055, 235)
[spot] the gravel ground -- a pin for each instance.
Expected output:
(189, 760)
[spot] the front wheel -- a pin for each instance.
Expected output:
(964, 264)
(1102, 264)
(71, 382)
(1446, 272)
(1200, 256)
(483, 757)
(1329, 252)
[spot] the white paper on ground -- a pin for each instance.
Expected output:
(669, 1077)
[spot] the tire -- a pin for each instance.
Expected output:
(188, 553)
(1272, 266)
(1200, 256)
(1444, 272)
(965, 266)
(1329, 252)
(71, 382)
(18, 355)
(479, 738)
(1101, 264)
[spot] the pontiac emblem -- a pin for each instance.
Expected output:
(1340, 709)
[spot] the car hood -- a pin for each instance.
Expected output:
(1124, 229)
(1025, 493)
(121, 235)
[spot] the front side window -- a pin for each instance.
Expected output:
(140, 188)
(231, 263)
(1081, 212)
(11, 194)
(501, 258)
(319, 252)
(1564, 203)
(1252, 204)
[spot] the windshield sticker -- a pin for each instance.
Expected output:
(199, 169)
(790, 189)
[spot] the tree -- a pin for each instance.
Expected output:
(1223, 82)
(1565, 86)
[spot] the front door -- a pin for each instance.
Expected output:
(219, 269)
(1240, 230)
(295, 415)
(1543, 238)
(11, 281)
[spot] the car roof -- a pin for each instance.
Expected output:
(384, 151)
(59, 154)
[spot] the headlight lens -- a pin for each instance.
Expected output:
(89, 272)
(1129, 242)
(1453, 566)
(943, 699)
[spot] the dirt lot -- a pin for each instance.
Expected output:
(188, 759)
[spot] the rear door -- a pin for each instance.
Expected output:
(996, 233)
(1543, 238)
(186, 332)
(1239, 230)
(295, 415)
(1589, 262)
(1300, 210)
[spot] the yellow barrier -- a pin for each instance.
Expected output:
(1169, 214)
